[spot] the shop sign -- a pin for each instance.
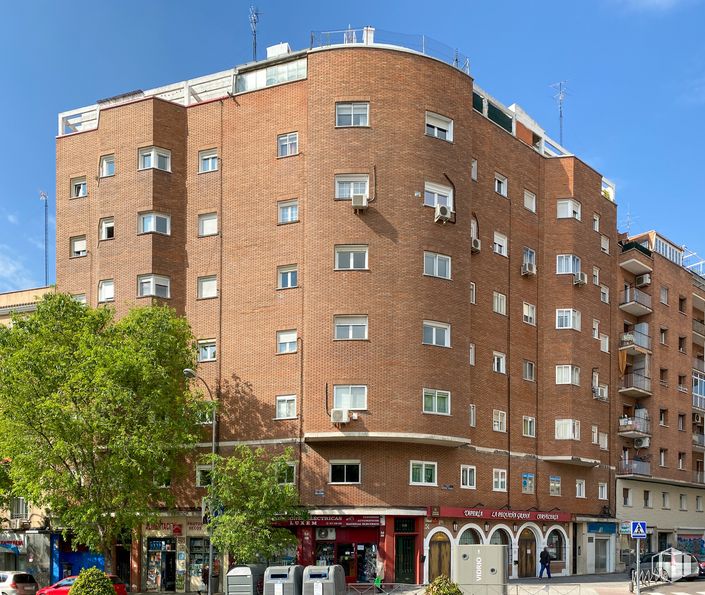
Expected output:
(625, 528)
(492, 514)
(194, 527)
(332, 521)
(173, 528)
(601, 528)
(9, 540)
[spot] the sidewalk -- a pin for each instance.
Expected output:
(582, 584)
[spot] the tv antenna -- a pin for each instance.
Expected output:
(45, 199)
(254, 19)
(560, 98)
(629, 220)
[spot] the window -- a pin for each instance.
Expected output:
(663, 376)
(208, 224)
(567, 318)
(435, 195)
(604, 343)
(349, 258)
(500, 245)
(288, 474)
(350, 396)
(155, 158)
(681, 384)
(106, 229)
(207, 287)
(530, 201)
(499, 480)
(467, 477)
(80, 298)
(663, 336)
(287, 211)
(605, 244)
(665, 500)
(554, 485)
(601, 490)
(499, 303)
(529, 427)
(604, 294)
(19, 509)
(106, 290)
(439, 126)
(78, 246)
(472, 292)
(698, 503)
(352, 114)
(580, 488)
(499, 420)
(529, 256)
(529, 316)
(206, 350)
(499, 362)
(567, 264)
(595, 434)
(567, 429)
(287, 277)
(568, 209)
(436, 333)
(681, 422)
(79, 188)
(681, 460)
(472, 416)
(473, 170)
(528, 483)
(203, 476)
(595, 328)
(155, 223)
(350, 328)
(681, 344)
(208, 161)
(567, 374)
(529, 371)
(345, 472)
(286, 341)
(348, 185)
(422, 473)
(285, 407)
(107, 166)
(647, 499)
(604, 441)
(683, 502)
(626, 496)
(664, 295)
(500, 184)
(682, 304)
(595, 275)
(436, 265)
(662, 457)
(436, 401)
(287, 144)
(596, 222)
(474, 228)
(472, 354)
(153, 285)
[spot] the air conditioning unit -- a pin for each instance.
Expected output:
(339, 416)
(325, 533)
(642, 442)
(697, 418)
(528, 268)
(476, 245)
(643, 280)
(580, 278)
(359, 202)
(600, 393)
(442, 213)
(15, 523)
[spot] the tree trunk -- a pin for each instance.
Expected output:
(108, 549)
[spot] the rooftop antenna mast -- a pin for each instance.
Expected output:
(560, 97)
(45, 199)
(254, 19)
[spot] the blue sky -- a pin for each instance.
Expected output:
(635, 71)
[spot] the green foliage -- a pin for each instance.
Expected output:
(441, 585)
(92, 581)
(246, 486)
(92, 410)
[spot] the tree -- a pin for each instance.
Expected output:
(93, 411)
(248, 491)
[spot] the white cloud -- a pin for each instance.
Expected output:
(13, 219)
(650, 5)
(14, 274)
(694, 93)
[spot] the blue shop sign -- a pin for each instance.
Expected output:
(602, 528)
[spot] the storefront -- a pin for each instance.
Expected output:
(595, 545)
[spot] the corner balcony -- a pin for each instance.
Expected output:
(634, 468)
(635, 385)
(635, 343)
(699, 442)
(634, 427)
(636, 258)
(635, 302)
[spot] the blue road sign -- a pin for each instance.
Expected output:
(638, 529)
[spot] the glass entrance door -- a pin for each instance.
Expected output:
(601, 546)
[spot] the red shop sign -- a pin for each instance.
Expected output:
(494, 514)
(332, 521)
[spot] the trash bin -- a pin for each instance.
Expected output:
(283, 580)
(324, 580)
(245, 580)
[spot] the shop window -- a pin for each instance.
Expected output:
(556, 545)
(470, 537)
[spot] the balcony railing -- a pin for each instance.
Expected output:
(699, 476)
(698, 364)
(635, 295)
(699, 440)
(634, 468)
(636, 381)
(699, 402)
(635, 338)
(634, 425)
(699, 327)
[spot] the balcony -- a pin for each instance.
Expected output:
(636, 258)
(635, 385)
(699, 442)
(698, 364)
(635, 342)
(698, 402)
(698, 476)
(698, 332)
(635, 302)
(634, 427)
(634, 468)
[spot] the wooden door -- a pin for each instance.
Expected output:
(404, 559)
(439, 556)
(527, 554)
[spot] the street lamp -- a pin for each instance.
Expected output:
(191, 375)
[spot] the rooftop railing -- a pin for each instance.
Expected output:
(635, 338)
(635, 295)
(634, 467)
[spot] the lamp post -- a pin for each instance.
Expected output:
(191, 374)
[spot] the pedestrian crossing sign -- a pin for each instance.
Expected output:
(638, 529)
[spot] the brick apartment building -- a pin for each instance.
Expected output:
(396, 275)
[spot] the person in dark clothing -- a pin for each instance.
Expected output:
(545, 559)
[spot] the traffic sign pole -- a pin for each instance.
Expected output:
(638, 561)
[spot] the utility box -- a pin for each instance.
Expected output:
(245, 580)
(482, 569)
(324, 580)
(283, 580)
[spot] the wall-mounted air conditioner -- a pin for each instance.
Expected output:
(580, 278)
(325, 533)
(528, 268)
(697, 418)
(642, 442)
(476, 245)
(442, 214)
(339, 416)
(359, 202)
(643, 280)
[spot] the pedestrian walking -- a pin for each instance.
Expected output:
(545, 559)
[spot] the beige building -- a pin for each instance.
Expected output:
(24, 300)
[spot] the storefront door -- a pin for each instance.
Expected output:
(663, 541)
(161, 564)
(527, 554)
(404, 559)
(439, 556)
(601, 546)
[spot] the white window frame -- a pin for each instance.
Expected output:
(580, 488)
(432, 193)
(434, 393)
(436, 123)
(499, 303)
(604, 243)
(473, 292)
(567, 429)
(287, 144)
(567, 374)
(596, 222)
(529, 201)
(499, 480)
(343, 393)
(501, 185)
(19, 508)
(349, 323)
(604, 343)
(499, 362)
(568, 208)
(500, 244)
(285, 274)
(554, 485)
(103, 226)
(529, 256)
(567, 264)
(205, 221)
(472, 415)
(147, 285)
(352, 249)
(207, 350)
(568, 319)
(468, 477)
(287, 479)
(80, 298)
(346, 463)
(285, 340)
(105, 162)
(698, 503)
(207, 161)
(602, 490)
(207, 287)
(432, 262)
(79, 187)
(472, 354)
(683, 502)
(106, 290)
(528, 426)
(286, 402)
(79, 246)
(528, 371)
(595, 275)
(284, 207)
(357, 109)
(529, 314)
(499, 421)
(434, 326)
(153, 153)
(345, 185)
(148, 223)
(594, 434)
(201, 471)
(528, 483)
(604, 294)
(473, 170)
(424, 464)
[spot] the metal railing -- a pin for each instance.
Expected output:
(636, 338)
(699, 440)
(635, 424)
(635, 467)
(635, 295)
(635, 380)
(699, 476)
(698, 327)
(698, 402)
